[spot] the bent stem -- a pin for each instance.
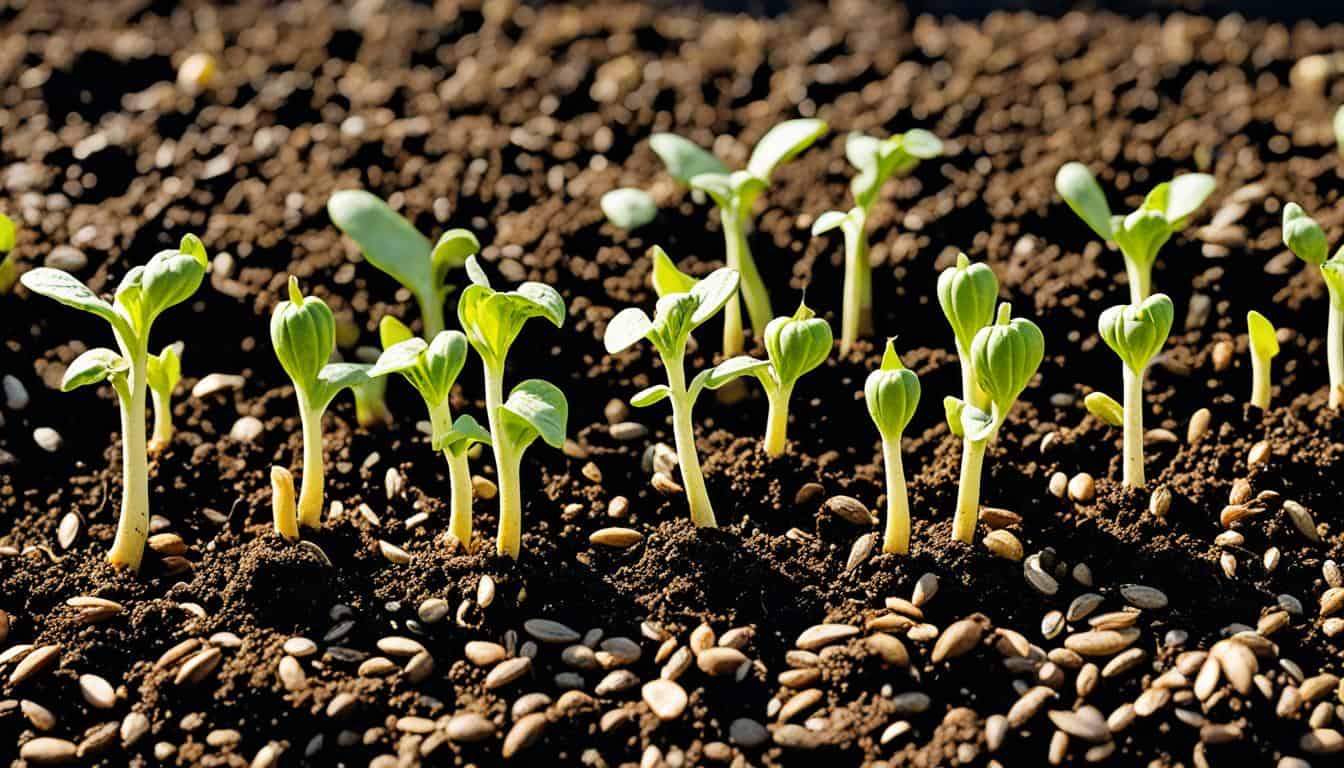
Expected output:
(1334, 351)
(163, 423)
(508, 541)
(777, 421)
(683, 433)
(968, 490)
(310, 495)
(751, 288)
(896, 538)
(133, 525)
(857, 319)
(1133, 449)
(459, 480)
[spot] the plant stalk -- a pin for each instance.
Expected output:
(1334, 351)
(459, 480)
(1140, 280)
(683, 432)
(857, 318)
(1260, 386)
(751, 288)
(968, 490)
(133, 524)
(509, 539)
(1133, 448)
(971, 393)
(163, 422)
(896, 538)
(431, 314)
(313, 483)
(777, 421)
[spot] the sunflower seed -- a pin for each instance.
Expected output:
(863, 547)
(1086, 723)
(1102, 642)
(97, 691)
(1004, 544)
(716, 662)
(617, 538)
(524, 733)
(821, 635)
(547, 631)
(507, 671)
(198, 666)
(665, 698)
(1147, 598)
(959, 638)
(1026, 707)
(37, 661)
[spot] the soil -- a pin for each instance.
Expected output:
(513, 120)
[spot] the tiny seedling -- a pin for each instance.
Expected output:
(432, 368)
(393, 245)
(677, 314)
(1304, 237)
(163, 371)
(735, 193)
(1165, 211)
(794, 346)
(629, 208)
(1136, 333)
(9, 267)
(892, 393)
(371, 403)
(492, 321)
(877, 161)
(303, 333)
(168, 279)
(1004, 357)
(283, 510)
(966, 293)
(1264, 347)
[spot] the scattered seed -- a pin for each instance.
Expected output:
(619, 538)
(1302, 520)
(485, 592)
(1199, 425)
(1028, 704)
(198, 666)
(393, 553)
(666, 698)
(547, 631)
(45, 750)
(34, 663)
(1082, 487)
(821, 635)
(799, 703)
(1004, 544)
(849, 509)
(97, 691)
(719, 661)
(959, 638)
(1104, 642)
(469, 727)
(524, 733)
(507, 671)
(1146, 598)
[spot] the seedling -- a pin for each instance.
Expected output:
(1304, 237)
(629, 208)
(393, 245)
(1264, 348)
(169, 278)
(303, 333)
(371, 403)
(9, 268)
(432, 368)
(967, 293)
(794, 346)
(735, 192)
(1136, 333)
(877, 161)
(1004, 357)
(492, 321)
(677, 314)
(163, 371)
(892, 392)
(285, 514)
(1166, 210)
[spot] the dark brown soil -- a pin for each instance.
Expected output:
(513, 121)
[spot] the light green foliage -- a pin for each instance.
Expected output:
(1104, 407)
(162, 372)
(794, 346)
(629, 208)
(1136, 333)
(1304, 237)
(967, 293)
(9, 269)
(892, 393)
(1264, 348)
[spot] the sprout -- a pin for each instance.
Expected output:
(162, 373)
(394, 246)
(877, 161)
(9, 267)
(967, 293)
(1136, 333)
(492, 321)
(285, 514)
(1165, 211)
(794, 346)
(629, 208)
(892, 393)
(1304, 237)
(169, 278)
(1264, 347)
(735, 192)
(432, 368)
(303, 334)
(371, 403)
(1104, 407)
(677, 314)
(1004, 357)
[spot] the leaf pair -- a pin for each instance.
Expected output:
(1004, 358)
(676, 315)
(431, 368)
(1136, 332)
(685, 161)
(880, 159)
(303, 334)
(493, 319)
(892, 393)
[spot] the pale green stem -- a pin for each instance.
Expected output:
(313, 480)
(431, 314)
(133, 525)
(971, 393)
(777, 421)
(968, 490)
(751, 288)
(1140, 280)
(371, 403)
(459, 480)
(857, 318)
(1260, 386)
(509, 539)
(1133, 448)
(163, 421)
(683, 432)
(896, 538)
(1334, 352)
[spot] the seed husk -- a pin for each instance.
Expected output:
(925, 589)
(1322, 741)
(859, 552)
(469, 727)
(959, 638)
(1147, 598)
(507, 671)
(524, 733)
(1151, 700)
(666, 698)
(1028, 704)
(849, 509)
(393, 553)
(198, 666)
(1004, 544)
(1101, 642)
(799, 703)
(97, 691)
(38, 660)
(1123, 662)
(617, 538)
(547, 631)
(45, 750)
(1237, 662)
(483, 653)
(718, 661)
(1086, 723)
(1083, 606)
(821, 635)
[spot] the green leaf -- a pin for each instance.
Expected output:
(892, 394)
(169, 278)
(712, 293)
(862, 151)
(399, 358)
(718, 186)
(451, 252)
(164, 370)
(782, 143)
(303, 334)
(922, 144)
(966, 293)
(192, 246)
(628, 327)
(1137, 332)
(93, 366)
(392, 331)
(1303, 236)
(492, 319)
(650, 396)
(684, 160)
(8, 233)
(546, 300)
(1264, 341)
(1333, 272)
(1104, 407)
(1142, 234)
(476, 274)
(976, 425)
(1188, 192)
(535, 408)
(725, 372)
(1004, 357)
(1079, 188)
(335, 377)
(466, 431)
(666, 277)
(443, 362)
(390, 243)
(629, 208)
(68, 290)
(952, 408)
(830, 220)
(797, 345)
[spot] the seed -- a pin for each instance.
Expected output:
(97, 691)
(1222, 355)
(1160, 502)
(911, 703)
(1151, 700)
(200, 665)
(68, 530)
(626, 431)
(1302, 520)
(959, 638)
(1052, 624)
(616, 682)
(677, 665)
(747, 733)
(485, 592)
(469, 727)
(925, 588)
(1004, 544)
(579, 657)
(1059, 485)
(996, 730)
(863, 547)
(665, 485)
(1082, 487)
(702, 638)
(547, 631)
(1199, 425)
(1332, 574)
(484, 654)
(995, 518)
(799, 703)
(1037, 577)
(524, 733)
(720, 661)
(737, 637)
(1258, 454)
(1083, 606)
(1147, 598)
(1012, 643)
(394, 554)
(377, 666)
(45, 750)
(1121, 718)
(41, 717)
(1026, 707)
(400, 646)
(618, 652)
(1271, 559)
(1101, 642)
(1237, 662)
(134, 726)
(1123, 662)
(619, 538)
(1086, 723)
(849, 509)
(1322, 741)
(1317, 687)
(665, 698)
(483, 488)
(822, 635)
(507, 671)
(291, 673)
(35, 662)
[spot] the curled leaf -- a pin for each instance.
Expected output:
(1104, 407)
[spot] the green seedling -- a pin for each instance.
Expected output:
(1136, 333)
(892, 393)
(735, 193)
(303, 334)
(432, 368)
(629, 208)
(9, 267)
(1004, 357)
(1264, 348)
(1165, 211)
(876, 161)
(492, 321)
(966, 293)
(393, 245)
(677, 314)
(371, 403)
(162, 372)
(794, 346)
(283, 510)
(1304, 237)
(168, 279)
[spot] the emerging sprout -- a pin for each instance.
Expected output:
(163, 371)
(371, 403)
(967, 293)
(677, 314)
(794, 346)
(1004, 357)
(394, 246)
(303, 333)
(432, 368)
(877, 161)
(1104, 407)
(169, 278)
(735, 192)
(892, 393)
(1165, 211)
(1304, 237)
(1264, 347)
(1136, 333)
(492, 321)
(285, 514)
(9, 268)
(629, 208)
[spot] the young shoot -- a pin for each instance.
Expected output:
(794, 346)
(1004, 357)
(432, 368)
(1136, 333)
(168, 279)
(735, 193)
(1104, 407)
(394, 246)
(677, 314)
(892, 393)
(283, 509)
(876, 161)
(1165, 211)
(9, 268)
(371, 403)
(492, 321)
(303, 333)
(163, 371)
(1264, 347)
(1304, 237)
(967, 293)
